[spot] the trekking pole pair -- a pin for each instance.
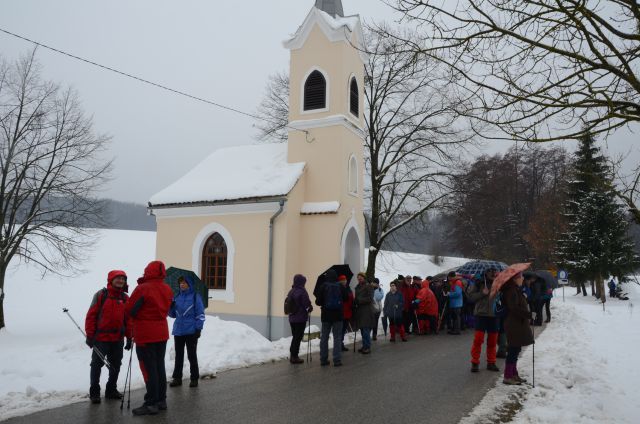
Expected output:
(97, 351)
(127, 380)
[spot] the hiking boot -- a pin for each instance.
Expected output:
(175, 382)
(547, 320)
(344, 348)
(194, 381)
(392, 340)
(324, 363)
(475, 368)
(295, 360)
(162, 405)
(113, 394)
(95, 399)
(520, 379)
(337, 363)
(404, 340)
(511, 381)
(365, 351)
(360, 350)
(374, 338)
(492, 367)
(94, 394)
(145, 410)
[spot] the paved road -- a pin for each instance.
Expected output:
(425, 380)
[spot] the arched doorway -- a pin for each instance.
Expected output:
(352, 253)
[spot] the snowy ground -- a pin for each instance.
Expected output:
(586, 367)
(44, 362)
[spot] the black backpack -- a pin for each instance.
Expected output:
(332, 296)
(290, 306)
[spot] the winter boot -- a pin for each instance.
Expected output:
(113, 394)
(296, 360)
(145, 410)
(162, 405)
(475, 368)
(492, 367)
(175, 382)
(194, 381)
(509, 375)
(345, 349)
(94, 394)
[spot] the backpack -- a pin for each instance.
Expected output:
(332, 296)
(290, 306)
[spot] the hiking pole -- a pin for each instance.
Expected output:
(127, 379)
(444, 308)
(309, 341)
(355, 337)
(97, 351)
(130, 378)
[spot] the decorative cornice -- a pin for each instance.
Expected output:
(329, 121)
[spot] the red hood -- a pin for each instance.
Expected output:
(425, 284)
(115, 273)
(154, 271)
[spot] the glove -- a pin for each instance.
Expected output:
(197, 334)
(89, 342)
(129, 344)
(415, 302)
(310, 309)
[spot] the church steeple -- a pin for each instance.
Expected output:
(332, 7)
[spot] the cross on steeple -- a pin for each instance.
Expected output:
(332, 7)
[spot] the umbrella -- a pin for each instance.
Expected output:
(342, 269)
(480, 266)
(552, 282)
(506, 275)
(172, 280)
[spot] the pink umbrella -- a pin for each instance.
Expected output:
(506, 275)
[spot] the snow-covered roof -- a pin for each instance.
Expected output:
(317, 208)
(235, 173)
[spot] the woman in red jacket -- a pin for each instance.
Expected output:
(427, 309)
(148, 309)
(347, 310)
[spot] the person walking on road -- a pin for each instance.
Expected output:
(188, 310)
(106, 327)
(298, 317)
(393, 305)
(517, 326)
(148, 309)
(486, 321)
(364, 311)
(330, 297)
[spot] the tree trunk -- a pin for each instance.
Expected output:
(2, 274)
(584, 289)
(593, 290)
(600, 288)
(371, 262)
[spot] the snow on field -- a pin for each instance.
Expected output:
(586, 367)
(44, 362)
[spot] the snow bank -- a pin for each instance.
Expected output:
(586, 368)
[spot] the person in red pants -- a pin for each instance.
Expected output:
(486, 321)
(393, 306)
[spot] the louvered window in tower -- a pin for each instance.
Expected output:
(354, 98)
(214, 263)
(315, 92)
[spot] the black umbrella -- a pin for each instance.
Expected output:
(172, 280)
(339, 270)
(548, 277)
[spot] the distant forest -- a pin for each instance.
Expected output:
(127, 216)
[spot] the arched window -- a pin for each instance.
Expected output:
(354, 97)
(353, 175)
(214, 263)
(315, 91)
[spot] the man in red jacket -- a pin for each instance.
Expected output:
(106, 328)
(148, 309)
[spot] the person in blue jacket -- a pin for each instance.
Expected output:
(188, 310)
(455, 302)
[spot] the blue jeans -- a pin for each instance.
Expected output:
(336, 329)
(366, 337)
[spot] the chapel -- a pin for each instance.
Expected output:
(248, 218)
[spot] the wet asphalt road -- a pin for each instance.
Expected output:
(425, 380)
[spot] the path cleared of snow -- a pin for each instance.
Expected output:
(44, 362)
(586, 367)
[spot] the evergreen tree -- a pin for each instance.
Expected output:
(596, 243)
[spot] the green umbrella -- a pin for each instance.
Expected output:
(172, 280)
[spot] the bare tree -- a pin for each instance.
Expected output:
(50, 165)
(415, 129)
(540, 70)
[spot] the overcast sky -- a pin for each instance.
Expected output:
(219, 50)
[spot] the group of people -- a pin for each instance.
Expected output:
(423, 307)
(141, 320)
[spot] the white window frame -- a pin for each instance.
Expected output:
(227, 295)
(327, 91)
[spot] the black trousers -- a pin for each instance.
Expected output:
(151, 358)
(376, 319)
(547, 307)
(297, 330)
(191, 342)
(454, 317)
(113, 352)
(512, 354)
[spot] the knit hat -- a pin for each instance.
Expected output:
(342, 278)
(299, 280)
(363, 275)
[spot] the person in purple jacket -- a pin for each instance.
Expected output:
(299, 298)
